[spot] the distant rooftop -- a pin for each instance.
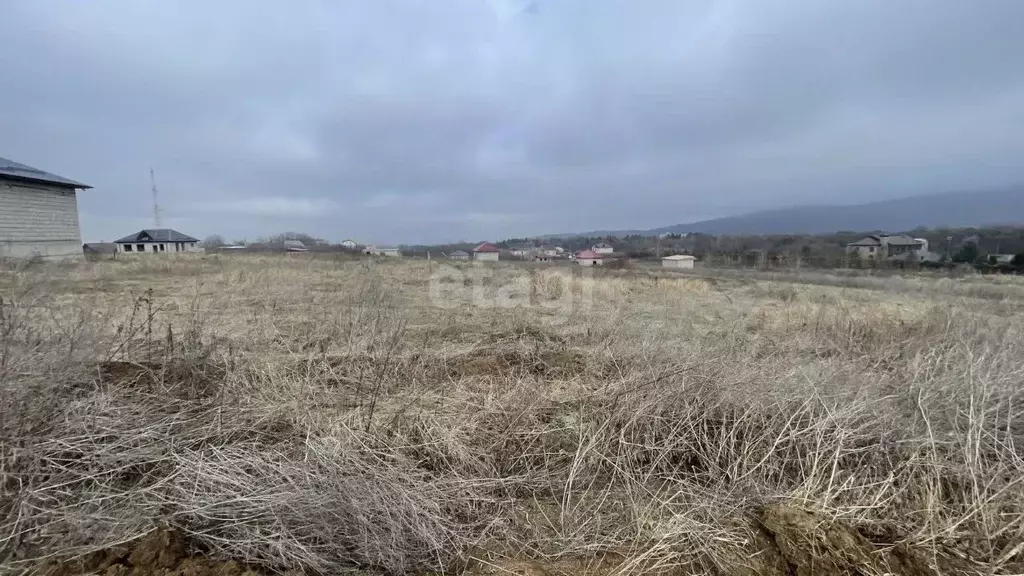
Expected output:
(486, 247)
(18, 171)
(156, 235)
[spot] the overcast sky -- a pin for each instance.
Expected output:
(408, 121)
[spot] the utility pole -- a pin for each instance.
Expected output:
(156, 204)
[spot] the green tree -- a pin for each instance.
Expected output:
(968, 253)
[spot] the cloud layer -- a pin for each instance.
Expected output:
(419, 121)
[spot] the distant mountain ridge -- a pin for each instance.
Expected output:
(954, 210)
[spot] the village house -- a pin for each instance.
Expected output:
(38, 213)
(602, 248)
(521, 250)
(99, 250)
(389, 251)
(590, 258)
(158, 240)
(679, 261)
(486, 252)
(547, 251)
(295, 246)
(349, 244)
(459, 255)
(882, 246)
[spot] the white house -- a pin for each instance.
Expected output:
(486, 252)
(156, 241)
(295, 246)
(38, 213)
(602, 248)
(678, 261)
(388, 251)
(459, 255)
(349, 244)
(589, 258)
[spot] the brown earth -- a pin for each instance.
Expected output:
(160, 553)
(790, 542)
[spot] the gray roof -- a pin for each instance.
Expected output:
(901, 240)
(10, 169)
(869, 241)
(156, 235)
(100, 247)
(459, 253)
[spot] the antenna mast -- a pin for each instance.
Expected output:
(156, 205)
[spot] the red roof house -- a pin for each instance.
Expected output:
(486, 251)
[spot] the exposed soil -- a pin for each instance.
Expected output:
(788, 542)
(160, 553)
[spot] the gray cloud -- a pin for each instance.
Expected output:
(409, 120)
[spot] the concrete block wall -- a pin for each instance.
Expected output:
(38, 220)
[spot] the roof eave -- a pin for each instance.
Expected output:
(71, 184)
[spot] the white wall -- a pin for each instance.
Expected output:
(486, 256)
(169, 248)
(38, 220)
(666, 263)
(589, 261)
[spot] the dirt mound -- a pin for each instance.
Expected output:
(160, 553)
(813, 545)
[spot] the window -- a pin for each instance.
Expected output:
(871, 249)
(177, 246)
(127, 247)
(140, 247)
(155, 248)
(161, 247)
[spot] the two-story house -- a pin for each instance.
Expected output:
(881, 246)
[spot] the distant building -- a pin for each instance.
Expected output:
(589, 258)
(486, 252)
(882, 246)
(389, 251)
(602, 248)
(459, 255)
(38, 213)
(158, 240)
(349, 244)
(99, 250)
(547, 251)
(295, 246)
(678, 261)
(521, 250)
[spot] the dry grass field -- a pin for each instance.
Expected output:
(294, 414)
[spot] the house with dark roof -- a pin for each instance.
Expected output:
(158, 241)
(884, 246)
(38, 213)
